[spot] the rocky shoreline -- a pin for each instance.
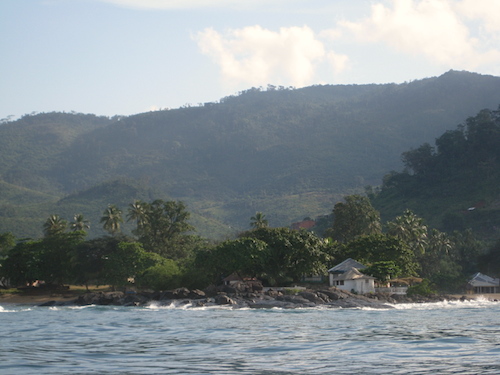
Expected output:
(247, 296)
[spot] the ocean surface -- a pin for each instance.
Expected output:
(437, 338)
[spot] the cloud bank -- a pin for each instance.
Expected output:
(435, 29)
(447, 34)
(259, 56)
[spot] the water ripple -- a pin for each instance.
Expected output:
(442, 339)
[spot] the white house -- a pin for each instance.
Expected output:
(483, 284)
(346, 276)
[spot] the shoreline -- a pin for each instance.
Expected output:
(329, 297)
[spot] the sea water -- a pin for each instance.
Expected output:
(437, 338)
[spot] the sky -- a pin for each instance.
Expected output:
(123, 57)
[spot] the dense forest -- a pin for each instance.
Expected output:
(290, 153)
(455, 184)
(162, 250)
(162, 253)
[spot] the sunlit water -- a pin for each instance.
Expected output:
(441, 338)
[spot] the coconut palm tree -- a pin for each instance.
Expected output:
(79, 223)
(54, 225)
(410, 229)
(111, 219)
(138, 211)
(258, 221)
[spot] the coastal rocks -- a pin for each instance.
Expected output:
(239, 296)
(100, 298)
(112, 298)
(222, 299)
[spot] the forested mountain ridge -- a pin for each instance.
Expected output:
(287, 152)
(454, 184)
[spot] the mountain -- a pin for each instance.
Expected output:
(289, 153)
(455, 184)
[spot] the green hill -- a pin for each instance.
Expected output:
(455, 184)
(289, 153)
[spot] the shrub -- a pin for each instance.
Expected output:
(162, 276)
(425, 288)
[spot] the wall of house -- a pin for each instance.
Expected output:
(360, 286)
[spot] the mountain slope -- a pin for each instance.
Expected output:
(288, 153)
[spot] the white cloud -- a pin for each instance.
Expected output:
(432, 28)
(338, 62)
(259, 56)
(487, 11)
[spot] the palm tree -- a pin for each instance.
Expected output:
(138, 211)
(440, 243)
(258, 221)
(111, 219)
(54, 225)
(79, 223)
(410, 229)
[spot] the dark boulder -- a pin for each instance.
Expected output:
(100, 298)
(222, 299)
(312, 297)
(196, 294)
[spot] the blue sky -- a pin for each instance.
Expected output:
(121, 57)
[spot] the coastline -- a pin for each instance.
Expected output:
(35, 299)
(328, 297)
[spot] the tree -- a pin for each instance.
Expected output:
(439, 262)
(20, 266)
(7, 242)
(48, 259)
(126, 261)
(354, 217)
(162, 276)
(490, 261)
(138, 211)
(111, 219)
(79, 223)
(382, 248)
(54, 257)
(290, 254)
(467, 250)
(244, 256)
(258, 221)
(383, 270)
(88, 259)
(161, 226)
(419, 160)
(410, 229)
(54, 225)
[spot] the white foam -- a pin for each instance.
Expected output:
(479, 302)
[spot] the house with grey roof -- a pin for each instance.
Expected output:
(346, 276)
(480, 283)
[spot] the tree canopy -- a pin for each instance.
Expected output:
(353, 218)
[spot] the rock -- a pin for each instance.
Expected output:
(196, 294)
(312, 297)
(210, 291)
(228, 289)
(333, 294)
(181, 293)
(100, 298)
(297, 300)
(256, 286)
(273, 293)
(166, 295)
(222, 299)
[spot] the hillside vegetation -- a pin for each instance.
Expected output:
(289, 153)
(455, 184)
